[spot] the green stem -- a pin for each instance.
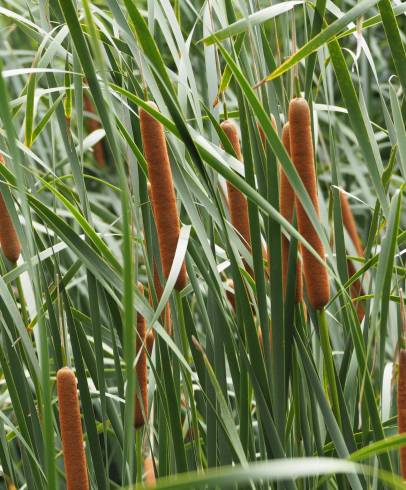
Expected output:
(189, 382)
(329, 363)
(138, 448)
(23, 304)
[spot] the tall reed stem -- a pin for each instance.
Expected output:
(329, 363)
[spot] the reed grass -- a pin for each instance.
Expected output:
(219, 376)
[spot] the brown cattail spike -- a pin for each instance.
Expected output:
(351, 227)
(287, 202)
(162, 191)
(301, 146)
(71, 431)
(237, 200)
(92, 125)
(141, 396)
(402, 408)
(166, 317)
(9, 241)
(149, 472)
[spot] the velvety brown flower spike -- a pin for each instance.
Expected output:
(237, 201)
(162, 192)
(351, 227)
(71, 431)
(301, 147)
(286, 206)
(10, 244)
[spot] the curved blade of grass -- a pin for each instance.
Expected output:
(394, 40)
(322, 38)
(358, 121)
(250, 21)
(277, 470)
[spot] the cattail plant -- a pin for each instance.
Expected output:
(9, 241)
(237, 200)
(301, 147)
(402, 408)
(351, 227)
(163, 193)
(149, 472)
(286, 205)
(141, 399)
(91, 126)
(71, 431)
(166, 316)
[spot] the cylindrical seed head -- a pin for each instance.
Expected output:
(286, 205)
(301, 147)
(71, 431)
(9, 241)
(162, 191)
(237, 200)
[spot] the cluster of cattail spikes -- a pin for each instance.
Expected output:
(297, 139)
(10, 244)
(301, 147)
(162, 191)
(71, 431)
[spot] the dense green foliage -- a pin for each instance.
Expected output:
(315, 407)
